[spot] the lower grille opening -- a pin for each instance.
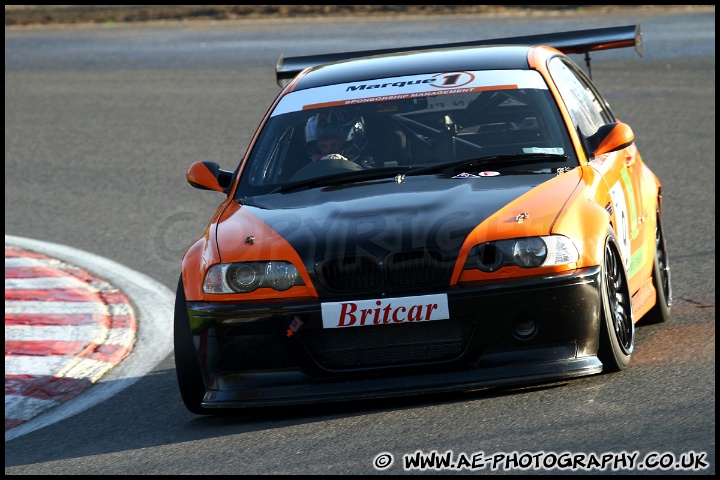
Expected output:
(390, 345)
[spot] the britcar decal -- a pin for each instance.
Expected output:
(414, 86)
(385, 311)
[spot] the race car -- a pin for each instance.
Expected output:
(431, 219)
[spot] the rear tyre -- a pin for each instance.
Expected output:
(187, 368)
(617, 329)
(660, 313)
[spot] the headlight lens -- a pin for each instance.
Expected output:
(528, 252)
(281, 275)
(248, 276)
(244, 277)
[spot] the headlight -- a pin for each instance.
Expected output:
(529, 252)
(282, 275)
(248, 276)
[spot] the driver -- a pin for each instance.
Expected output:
(336, 131)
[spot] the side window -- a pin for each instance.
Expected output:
(587, 110)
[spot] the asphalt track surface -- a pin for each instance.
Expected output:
(101, 124)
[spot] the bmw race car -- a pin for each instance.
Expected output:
(434, 219)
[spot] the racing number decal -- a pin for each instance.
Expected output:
(622, 220)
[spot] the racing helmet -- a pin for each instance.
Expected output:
(342, 125)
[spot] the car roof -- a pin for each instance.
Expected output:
(415, 63)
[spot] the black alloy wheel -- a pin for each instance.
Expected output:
(617, 336)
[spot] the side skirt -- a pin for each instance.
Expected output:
(643, 300)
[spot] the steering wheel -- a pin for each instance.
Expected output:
(328, 165)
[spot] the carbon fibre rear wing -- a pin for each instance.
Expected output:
(578, 41)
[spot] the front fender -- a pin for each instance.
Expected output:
(586, 217)
(200, 256)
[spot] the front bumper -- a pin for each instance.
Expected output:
(518, 332)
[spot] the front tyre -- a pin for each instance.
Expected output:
(187, 367)
(617, 329)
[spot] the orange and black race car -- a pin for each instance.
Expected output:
(405, 221)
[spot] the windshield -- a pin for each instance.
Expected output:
(399, 124)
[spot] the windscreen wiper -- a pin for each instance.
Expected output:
(341, 178)
(509, 159)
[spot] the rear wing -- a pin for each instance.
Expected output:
(578, 41)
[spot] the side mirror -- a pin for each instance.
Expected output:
(610, 138)
(209, 176)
